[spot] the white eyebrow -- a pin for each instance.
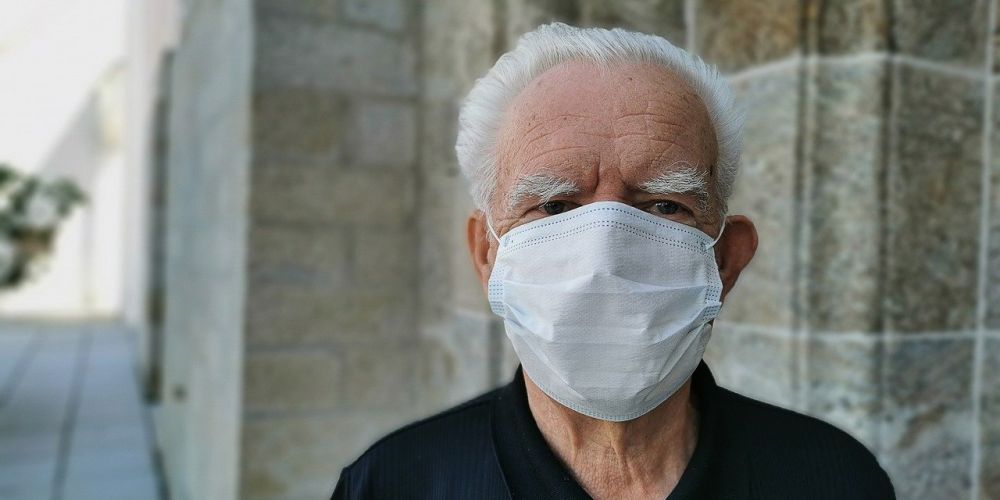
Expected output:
(542, 186)
(687, 180)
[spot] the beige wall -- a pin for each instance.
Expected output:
(199, 420)
(870, 303)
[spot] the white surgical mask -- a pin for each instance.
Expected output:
(607, 306)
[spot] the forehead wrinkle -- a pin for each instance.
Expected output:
(547, 152)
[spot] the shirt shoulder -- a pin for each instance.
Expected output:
(447, 455)
(791, 455)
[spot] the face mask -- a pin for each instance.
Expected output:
(607, 306)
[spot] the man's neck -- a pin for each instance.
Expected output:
(640, 458)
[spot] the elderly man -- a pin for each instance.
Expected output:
(600, 163)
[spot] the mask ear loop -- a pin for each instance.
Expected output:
(490, 226)
(717, 238)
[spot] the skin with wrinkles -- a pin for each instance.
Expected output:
(609, 134)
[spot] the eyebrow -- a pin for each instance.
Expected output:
(686, 180)
(542, 186)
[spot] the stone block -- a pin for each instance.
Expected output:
(736, 34)
(382, 375)
(844, 196)
(464, 366)
(951, 32)
(292, 380)
(383, 134)
(293, 254)
(989, 420)
(843, 384)
(993, 265)
(315, 9)
(933, 202)
(765, 192)
(754, 362)
(307, 122)
(926, 443)
(301, 456)
(526, 15)
(451, 59)
(297, 194)
(438, 132)
(441, 227)
(658, 17)
(292, 52)
(383, 260)
(852, 26)
(280, 314)
(389, 15)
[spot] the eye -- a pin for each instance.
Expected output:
(666, 207)
(554, 207)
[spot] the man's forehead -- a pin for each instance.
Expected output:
(583, 88)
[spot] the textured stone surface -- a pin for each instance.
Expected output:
(753, 362)
(659, 17)
(390, 15)
(852, 26)
(206, 227)
(989, 419)
(765, 192)
(384, 134)
(451, 59)
(383, 260)
(844, 196)
(294, 255)
(291, 314)
(297, 52)
(525, 15)
(301, 456)
(934, 202)
(440, 226)
(316, 9)
(322, 195)
(292, 380)
(844, 384)
(306, 122)
(927, 416)
(383, 375)
(952, 32)
(993, 268)
(736, 34)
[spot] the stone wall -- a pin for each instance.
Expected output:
(334, 356)
(208, 157)
(868, 171)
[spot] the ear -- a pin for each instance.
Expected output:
(735, 250)
(480, 247)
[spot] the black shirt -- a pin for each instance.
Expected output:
(491, 448)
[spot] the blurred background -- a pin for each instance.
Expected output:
(269, 270)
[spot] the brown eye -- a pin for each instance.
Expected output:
(666, 207)
(554, 207)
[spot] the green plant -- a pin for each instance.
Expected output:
(31, 210)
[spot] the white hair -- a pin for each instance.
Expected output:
(685, 179)
(543, 186)
(551, 44)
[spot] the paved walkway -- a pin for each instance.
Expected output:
(72, 424)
